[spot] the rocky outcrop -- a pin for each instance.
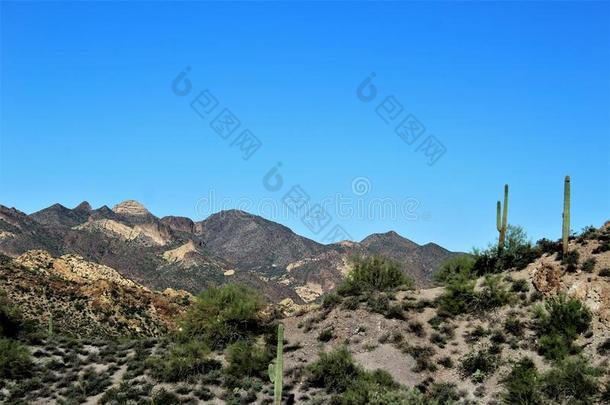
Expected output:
(87, 299)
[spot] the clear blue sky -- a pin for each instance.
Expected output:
(517, 92)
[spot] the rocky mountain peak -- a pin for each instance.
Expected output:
(84, 206)
(131, 208)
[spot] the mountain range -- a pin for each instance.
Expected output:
(177, 252)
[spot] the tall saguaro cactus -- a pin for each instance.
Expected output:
(501, 222)
(276, 371)
(565, 230)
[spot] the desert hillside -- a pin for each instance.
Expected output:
(527, 326)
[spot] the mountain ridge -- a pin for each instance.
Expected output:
(227, 246)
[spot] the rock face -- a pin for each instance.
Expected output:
(88, 299)
(546, 275)
(130, 208)
(230, 246)
(587, 284)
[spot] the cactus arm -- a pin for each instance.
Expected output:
(502, 226)
(498, 216)
(565, 230)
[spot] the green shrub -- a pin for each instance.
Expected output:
(460, 296)
(337, 373)
(493, 294)
(374, 274)
(331, 300)
(549, 246)
(417, 328)
(572, 380)
(570, 260)
(559, 324)
(246, 360)
(522, 385)
(442, 393)
(478, 365)
(514, 326)
(520, 285)
(334, 371)
(456, 265)
(165, 397)
(10, 323)
(15, 361)
(224, 315)
(183, 362)
(325, 335)
(518, 252)
(589, 265)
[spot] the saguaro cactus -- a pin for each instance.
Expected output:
(276, 370)
(501, 223)
(565, 230)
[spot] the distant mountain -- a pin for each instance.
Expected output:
(228, 246)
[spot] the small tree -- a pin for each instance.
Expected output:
(374, 274)
(224, 315)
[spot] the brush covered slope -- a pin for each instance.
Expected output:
(525, 326)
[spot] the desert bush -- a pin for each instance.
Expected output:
(604, 246)
(10, 323)
(338, 374)
(559, 324)
(605, 272)
(183, 362)
(522, 385)
(520, 285)
(442, 393)
(15, 361)
(478, 365)
(446, 362)
(223, 315)
(417, 328)
(460, 295)
(588, 265)
(325, 335)
(374, 274)
(570, 260)
(334, 371)
(456, 265)
(514, 326)
(246, 360)
(422, 356)
(162, 396)
(493, 294)
(331, 300)
(604, 347)
(572, 380)
(518, 252)
(549, 246)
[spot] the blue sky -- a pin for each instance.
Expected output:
(516, 92)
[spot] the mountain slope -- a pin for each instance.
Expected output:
(229, 246)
